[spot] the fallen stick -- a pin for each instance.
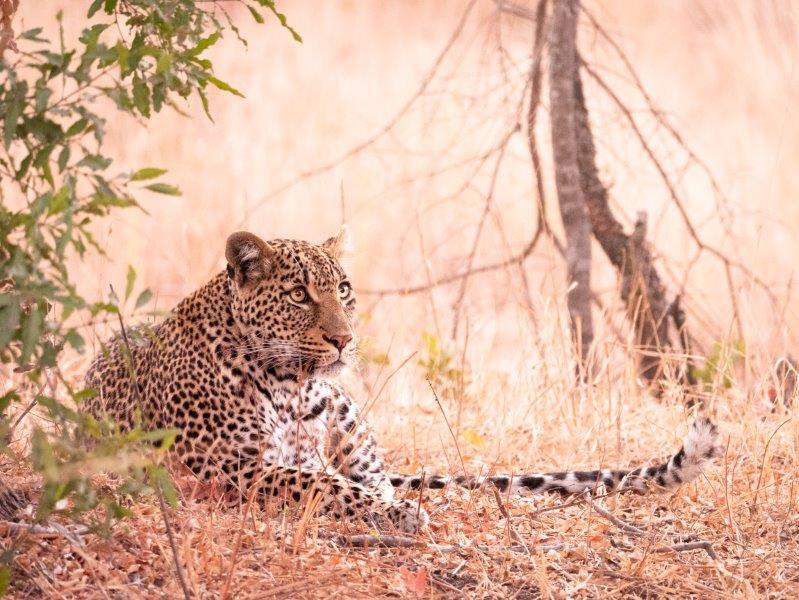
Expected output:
(698, 545)
(52, 530)
(705, 545)
(623, 525)
(384, 541)
(400, 541)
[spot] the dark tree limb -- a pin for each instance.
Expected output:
(642, 289)
(577, 230)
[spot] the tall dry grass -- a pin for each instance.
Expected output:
(726, 75)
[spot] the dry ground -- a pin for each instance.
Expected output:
(477, 545)
(725, 72)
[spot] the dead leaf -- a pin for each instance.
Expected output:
(415, 582)
(474, 438)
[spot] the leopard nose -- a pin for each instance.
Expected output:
(339, 341)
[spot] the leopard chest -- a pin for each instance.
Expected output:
(294, 422)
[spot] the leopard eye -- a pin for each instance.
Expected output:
(298, 294)
(344, 290)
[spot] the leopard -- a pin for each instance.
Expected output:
(247, 371)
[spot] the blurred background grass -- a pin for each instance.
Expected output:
(725, 73)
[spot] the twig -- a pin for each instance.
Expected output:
(418, 289)
(421, 494)
(632, 529)
(753, 504)
(401, 541)
(532, 114)
(452, 433)
(383, 541)
(700, 243)
(700, 545)
(504, 511)
(158, 492)
(489, 200)
(54, 529)
(171, 536)
(22, 415)
(383, 131)
(500, 503)
(623, 525)
(517, 10)
(572, 502)
(656, 111)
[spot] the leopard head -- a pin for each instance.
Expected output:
(293, 302)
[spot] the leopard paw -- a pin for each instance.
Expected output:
(407, 516)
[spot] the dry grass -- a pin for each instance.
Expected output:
(727, 76)
(747, 509)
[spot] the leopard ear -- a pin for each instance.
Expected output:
(340, 244)
(249, 258)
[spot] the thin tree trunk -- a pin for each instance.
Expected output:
(562, 67)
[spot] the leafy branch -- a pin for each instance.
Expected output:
(57, 96)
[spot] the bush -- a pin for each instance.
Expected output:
(137, 57)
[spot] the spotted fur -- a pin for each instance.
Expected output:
(245, 369)
(699, 446)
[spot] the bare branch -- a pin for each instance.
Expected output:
(358, 148)
(481, 223)
(135, 387)
(401, 541)
(698, 545)
(701, 244)
(637, 531)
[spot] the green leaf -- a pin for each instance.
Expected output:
(166, 437)
(77, 127)
(84, 395)
(130, 281)
(95, 6)
(164, 188)
(9, 320)
(47, 173)
(31, 330)
(204, 44)
(119, 511)
(99, 307)
(270, 4)
(159, 479)
(226, 87)
(23, 167)
(7, 399)
(13, 112)
(60, 201)
(143, 299)
(42, 96)
(204, 100)
(256, 15)
(102, 202)
(74, 339)
(32, 35)
(141, 97)
(159, 94)
(63, 158)
(5, 579)
(122, 57)
(163, 63)
(147, 173)
(95, 162)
